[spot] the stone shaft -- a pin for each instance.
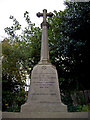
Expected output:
(44, 44)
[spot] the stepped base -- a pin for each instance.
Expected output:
(46, 107)
(62, 115)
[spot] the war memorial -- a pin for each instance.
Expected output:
(44, 99)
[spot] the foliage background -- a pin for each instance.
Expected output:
(69, 51)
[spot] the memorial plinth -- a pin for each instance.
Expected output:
(44, 94)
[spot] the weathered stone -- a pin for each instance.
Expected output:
(44, 14)
(44, 44)
(26, 115)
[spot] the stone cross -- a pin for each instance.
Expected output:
(44, 44)
(45, 15)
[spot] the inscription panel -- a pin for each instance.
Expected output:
(44, 85)
(44, 80)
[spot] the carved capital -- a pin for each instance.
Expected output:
(45, 24)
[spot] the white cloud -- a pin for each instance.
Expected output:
(18, 7)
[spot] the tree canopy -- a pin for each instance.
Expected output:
(20, 54)
(69, 47)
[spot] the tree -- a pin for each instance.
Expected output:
(13, 77)
(19, 57)
(78, 30)
(69, 45)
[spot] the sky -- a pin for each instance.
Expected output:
(18, 7)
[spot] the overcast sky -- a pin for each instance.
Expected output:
(18, 7)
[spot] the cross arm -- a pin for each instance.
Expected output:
(39, 14)
(50, 14)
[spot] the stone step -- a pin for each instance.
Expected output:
(45, 115)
